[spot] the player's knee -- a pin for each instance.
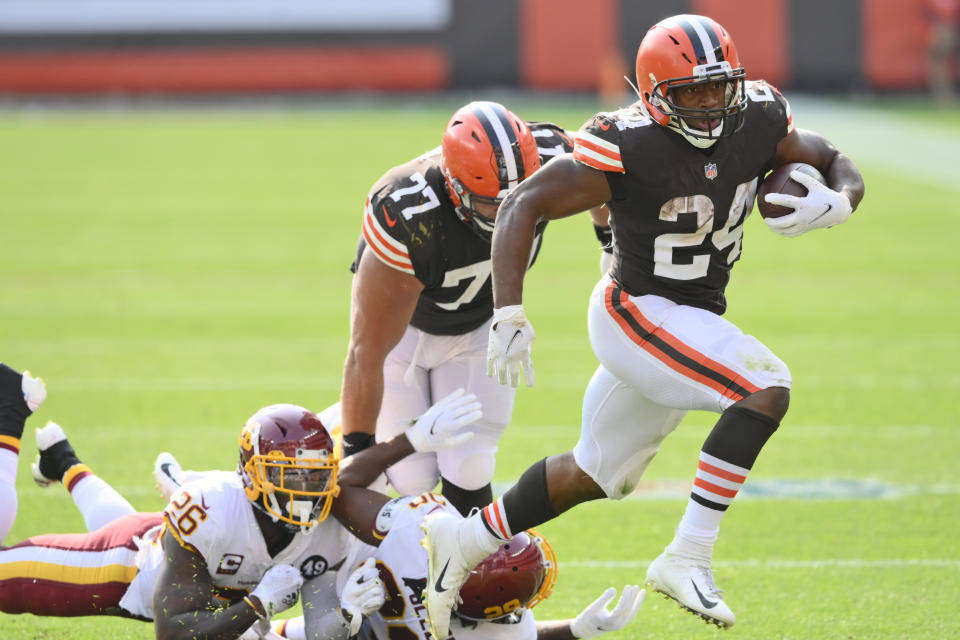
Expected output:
(772, 402)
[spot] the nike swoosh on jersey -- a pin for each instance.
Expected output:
(390, 221)
(706, 603)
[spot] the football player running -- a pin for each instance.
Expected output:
(231, 549)
(679, 171)
(422, 300)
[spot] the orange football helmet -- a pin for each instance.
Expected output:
(288, 465)
(486, 152)
(687, 51)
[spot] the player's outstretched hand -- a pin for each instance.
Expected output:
(508, 347)
(362, 595)
(597, 619)
(437, 428)
(821, 207)
(278, 590)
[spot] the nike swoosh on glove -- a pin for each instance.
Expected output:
(362, 595)
(821, 207)
(597, 619)
(509, 345)
(437, 428)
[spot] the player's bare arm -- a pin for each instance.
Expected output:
(561, 188)
(809, 147)
(356, 508)
(382, 305)
(184, 603)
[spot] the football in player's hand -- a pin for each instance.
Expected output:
(779, 181)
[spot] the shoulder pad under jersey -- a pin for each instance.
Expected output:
(765, 98)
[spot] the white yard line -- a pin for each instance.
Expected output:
(851, 563)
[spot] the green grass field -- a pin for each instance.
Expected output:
(169, 272)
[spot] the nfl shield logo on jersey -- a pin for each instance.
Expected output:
(710, 170)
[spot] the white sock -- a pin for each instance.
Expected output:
(292, 628)
(696, 533)
(8, 490)
(98, 502)
(476, 541)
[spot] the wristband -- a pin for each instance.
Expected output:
(605, 236)
(256, 609)
(356, 442)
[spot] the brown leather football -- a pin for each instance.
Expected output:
(779, 181)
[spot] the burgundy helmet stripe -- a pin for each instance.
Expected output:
(706, 44)
(503, 139)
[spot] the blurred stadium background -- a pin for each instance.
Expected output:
(181, 185)
(230, 46)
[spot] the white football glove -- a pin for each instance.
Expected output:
(597, 619)
(437, 428)
(362, 595)
(821, 207)
(508, 347)
(279, 589)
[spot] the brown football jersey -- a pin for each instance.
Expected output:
(677, 212)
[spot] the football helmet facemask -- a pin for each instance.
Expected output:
(688, 51)
(288, 465)
(486, 152)
(520, 574)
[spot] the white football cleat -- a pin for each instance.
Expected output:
(447, 569)
(169, 475)
(34, 391)
(48, 436)
(690, 582)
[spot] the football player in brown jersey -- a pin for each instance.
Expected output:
(422, 299)
(679, 171)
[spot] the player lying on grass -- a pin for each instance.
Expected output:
(496, 600)
(230, 550)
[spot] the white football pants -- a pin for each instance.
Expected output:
(658, 360)
(424, 368)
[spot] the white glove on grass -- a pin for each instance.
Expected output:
(821, 207)
(508, 347)
(597, 619)
(362, 595)
(279, 589)
(437, 428)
